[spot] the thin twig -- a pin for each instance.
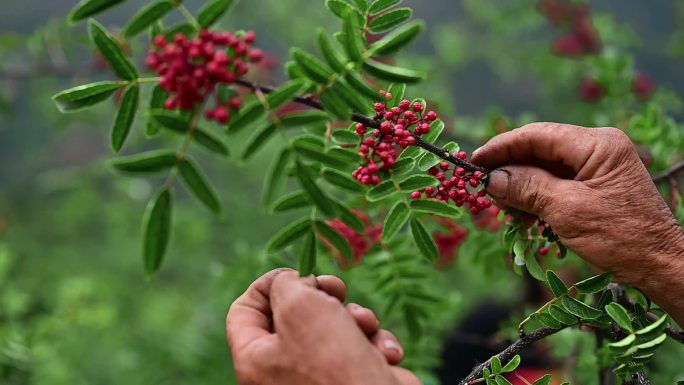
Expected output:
(370, 122)
(508, 353)
(671, 173)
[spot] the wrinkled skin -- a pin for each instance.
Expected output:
(287, 330)
(591, 187)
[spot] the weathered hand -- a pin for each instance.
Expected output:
(290, 330)
(592, 188)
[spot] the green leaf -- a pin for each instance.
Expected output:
(311, 151)
(495, 363)
(147, 162)
(359, 84)
(389, 20)
(285, 93)
(554, 283)
(396, 219)
(111, 51)
(620, 316)
(649, 346)
(211, 11)
(275, 177)
(434, 207)
(345, 137)
(145, 17)
(331, 51)
(530, 261)
(362, 5)
(336, 239)
(291, 201)
(258, 141)
(87, 95)
(289, 234)
(156, 231)
(417, 182)
(249, 115)
(316, 195)
(157, 100)
(423, 240)
(349, 218)
(650, 331)
(351, 97)
(381, 191)
(304, 118)
(547, 320)
(500, 380)
(186, 29)
(511, 365)
(436, 129)
(313, 68)
(352, 37)
(342, 180)
(391, 73)
(88, 8)
(428, 159)
(198, 185)
(578, 308)
(335, 104)
(396, 40)
(381, 5)
(562, 315)
(403, 166)
(397, 90)
(594, 284)
(340, 9)
(124, 117)
(180, 125)
(307, 258)
(546, 380)
(349, 157)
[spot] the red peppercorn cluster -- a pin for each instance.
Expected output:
(642, 86)
(361, 243)
(591, 91)
(449, 242)
(581, 37)
(191, 69)
(458, 185)
(399, 127)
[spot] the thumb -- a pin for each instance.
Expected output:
(526, 188)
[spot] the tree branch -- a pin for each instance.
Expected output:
(508, 353)
(671, 173)
(370, 122)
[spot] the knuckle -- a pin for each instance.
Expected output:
(618, 139)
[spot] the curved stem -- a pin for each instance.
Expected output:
(370, 122)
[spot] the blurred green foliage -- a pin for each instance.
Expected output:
(75, 307)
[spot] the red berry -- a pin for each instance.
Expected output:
(543, 251)
(430, 191)
(417, 107)
(462, 155)
(416, 195)
(444, 166)
(642, 87)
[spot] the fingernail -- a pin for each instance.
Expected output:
(392, 345)
(498, 183)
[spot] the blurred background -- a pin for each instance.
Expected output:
(75, 307)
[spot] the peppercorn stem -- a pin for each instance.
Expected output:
(370, 122)
(188, 16)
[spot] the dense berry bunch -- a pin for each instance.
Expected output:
(642, 86)
(458, 185)
(361, 243)
(449, 242)
(192, 69)
(591, 91)
(581, 38)
(399, 126)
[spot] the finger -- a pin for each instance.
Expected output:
(528, 188)
(405, 376)
(249, 316)
(302, 312)
(365, 318)
(389, 345)
(332, 285)
(539, 143)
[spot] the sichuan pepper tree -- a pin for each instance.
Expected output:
(367, 159)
